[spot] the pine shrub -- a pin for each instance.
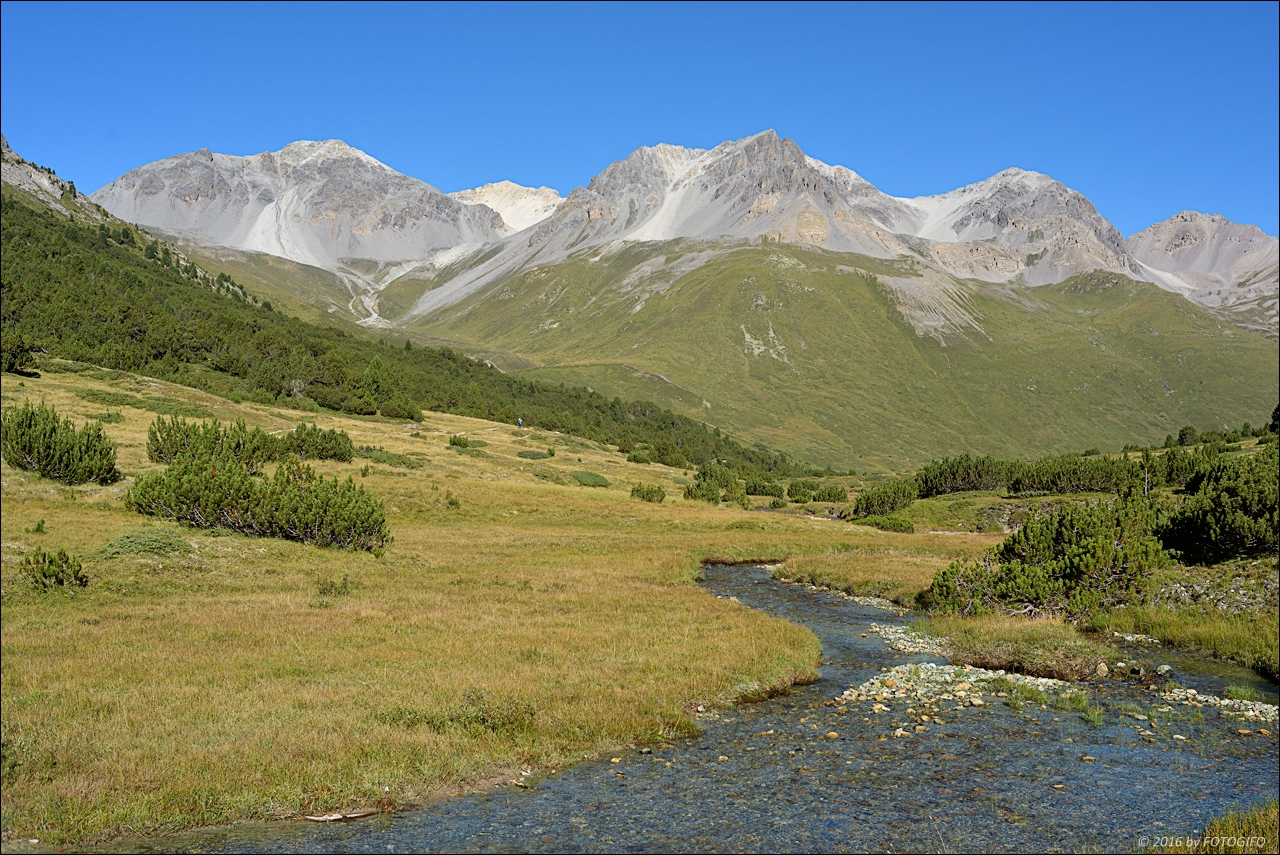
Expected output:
(961, 474)
(649, 493)
(169, 439)
(801, 490)
(707, 491)
(883, 499)
(311, 443)
(400, 407)
(47, 571)
(735, 494)
(1071, 562)
(831, 493)
(638, 456)
(1230, 510)
(213, 490)
(39, 440)
(759, 487)
(710, 481)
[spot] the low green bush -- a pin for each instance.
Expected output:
(962, 474)
(707, 491)
(311, 443)
(831, 493)
(212, 491)
(590, 479)
(109, 399)
(47, 571)
(171, 438)
(401, 407)
(758, 487)
(458, 441)
(1070, 561)
(530, 454)
(649, 493)
(168, 439)
(883, 499)
(638, 456)
(1231, 510)
(778, 503)
(801, 490)
(378, 454)
(39, 440)
(735, 494)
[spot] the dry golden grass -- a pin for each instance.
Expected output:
(222, 684)
(884, 564)
(1243, 832)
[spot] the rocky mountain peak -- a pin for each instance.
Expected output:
(318, 203)
(520, 207)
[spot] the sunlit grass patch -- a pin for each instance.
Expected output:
(1041, 648)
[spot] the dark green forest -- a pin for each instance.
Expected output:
(97, 295)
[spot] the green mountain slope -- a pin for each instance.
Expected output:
(810, 351)
(87, 295)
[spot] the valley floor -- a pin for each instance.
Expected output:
(519, 623)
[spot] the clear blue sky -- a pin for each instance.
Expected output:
(1147, 109)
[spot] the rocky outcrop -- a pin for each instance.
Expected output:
(41, 183)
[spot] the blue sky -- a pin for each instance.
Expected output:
(1147, 109)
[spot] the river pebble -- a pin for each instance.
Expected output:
(1253, 710)
(1136, 638)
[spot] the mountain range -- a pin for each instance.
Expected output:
(333, 207)
(763, 290)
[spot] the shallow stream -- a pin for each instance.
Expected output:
(766, 777)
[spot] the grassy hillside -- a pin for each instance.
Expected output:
(807, 351)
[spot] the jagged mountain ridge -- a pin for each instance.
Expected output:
(764, 188)
(331, 206)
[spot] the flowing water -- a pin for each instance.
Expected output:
(766, 777)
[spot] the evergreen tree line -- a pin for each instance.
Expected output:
(1064, 474)
(74, 293)
(1081, 557)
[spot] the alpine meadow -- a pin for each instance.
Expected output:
(726, 503)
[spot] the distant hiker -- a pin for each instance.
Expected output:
(519, 423)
